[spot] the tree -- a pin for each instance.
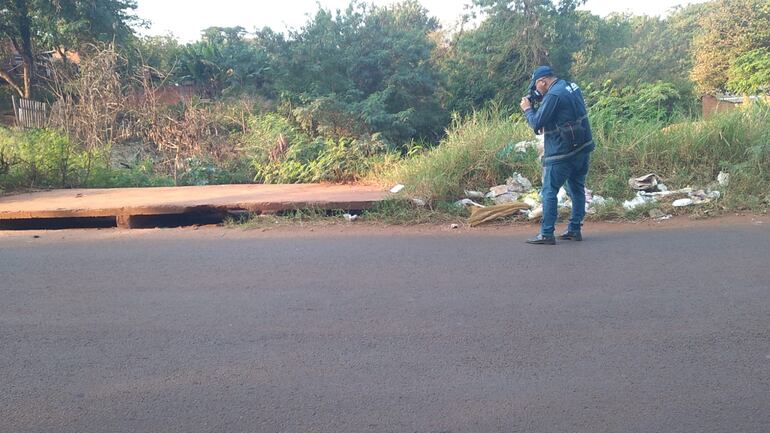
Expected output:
(161, 53)
(225, 62)
(750, 73)
(627, 50)
(367, 70)
(16, 25)
(731, 28)
(494, 61)
(31, 26)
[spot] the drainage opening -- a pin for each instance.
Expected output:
(58, 223)
(176, 220)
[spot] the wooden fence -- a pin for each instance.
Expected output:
(29, 113)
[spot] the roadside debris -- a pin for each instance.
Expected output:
(518, 183)
(511, 191)
(454, 226)
(650, 189)
(418, 201)
(350, 218)
(682, 202)
(723, 178)
(467, 202)
(518, 195)
(520, 147)
(502, 194)
(532, 199)
(640, 200)
(648, 182)
(523, 146)
(489, 213)
(535, 213)
(563, 199)
(396, 189)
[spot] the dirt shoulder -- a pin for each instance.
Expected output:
(342, 228)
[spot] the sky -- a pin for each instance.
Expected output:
(186, 18)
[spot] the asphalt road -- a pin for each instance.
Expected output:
(632, 330)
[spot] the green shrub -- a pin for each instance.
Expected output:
(43, 158)
(142, 174)
(342, 160)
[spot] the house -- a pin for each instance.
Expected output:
(717, 103)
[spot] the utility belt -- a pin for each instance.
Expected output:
(577, 149)
(573, 134)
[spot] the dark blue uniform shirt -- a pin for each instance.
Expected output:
(563, 118)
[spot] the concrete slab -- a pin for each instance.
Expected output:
(124, 203)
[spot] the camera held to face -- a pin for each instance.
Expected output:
(534, 97)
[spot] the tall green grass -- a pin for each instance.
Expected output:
(687, 153)
(48, 159)
(472, 156)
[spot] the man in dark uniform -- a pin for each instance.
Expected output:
(562, 117)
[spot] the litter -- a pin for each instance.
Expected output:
(640, 199)
(520, 147)
(514, 186)
(418, 201)
(648, 182)
(682, 202)
(350, 217)
(454, 226)
(563, 198)
(535, 213)
(489, 213)
(509, 197)
(396, 189)
(474, 194)
(596, 200)
(540, 145)
(523, 146)
(518, 183)
(532, 202)
(497, 190)
(467, 202)
(723, 178)
(666, 192)
(700, 196)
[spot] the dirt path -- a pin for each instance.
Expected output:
(361, 227)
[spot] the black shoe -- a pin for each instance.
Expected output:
(542, 240)
(571, 236)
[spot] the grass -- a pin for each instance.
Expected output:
(476, 154)
(301, 217)
(405, 212)
(689, 153)
(468, 158)
(389, 212)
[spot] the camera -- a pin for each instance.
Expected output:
(534, 97)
